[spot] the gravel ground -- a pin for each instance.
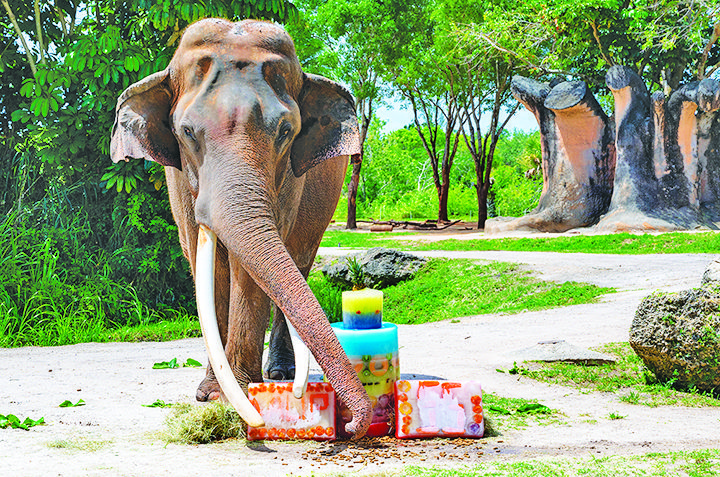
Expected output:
(114, 435)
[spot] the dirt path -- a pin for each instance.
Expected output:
(116, 435)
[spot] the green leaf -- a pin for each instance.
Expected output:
(68, 403)
(191, 363)
(41, 76)
(158, 403)
(534, 408)
(12, 421)
(172, 364)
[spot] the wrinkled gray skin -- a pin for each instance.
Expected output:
(256, 151)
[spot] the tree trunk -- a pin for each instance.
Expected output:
(482, 189)
(356, 162)
(443, 192)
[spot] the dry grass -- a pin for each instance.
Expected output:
(193, 424)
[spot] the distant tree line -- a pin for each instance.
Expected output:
(64, 63)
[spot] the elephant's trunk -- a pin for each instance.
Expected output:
(265, 258)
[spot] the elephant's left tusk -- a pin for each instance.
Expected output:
(205, 293)
(302, 362)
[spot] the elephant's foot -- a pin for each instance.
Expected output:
(280, 368)
(209, 389)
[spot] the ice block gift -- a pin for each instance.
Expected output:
(438, 409)
(374, 354)
(362, 309)
(286, 417)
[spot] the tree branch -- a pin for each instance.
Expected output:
(706, 52)
(63, 23)
(596, 35)
(38, 26)
(20, 35)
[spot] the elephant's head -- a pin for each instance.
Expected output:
(235, 113)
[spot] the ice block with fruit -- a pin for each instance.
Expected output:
(286, 417)
(438, 409)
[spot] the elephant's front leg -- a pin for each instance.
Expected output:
(280, 364)
(281, 357)
(242, 311)
(248, 319)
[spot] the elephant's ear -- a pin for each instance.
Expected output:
(329, 125)
(142, 124)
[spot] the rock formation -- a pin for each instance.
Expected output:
(381, 268)
(676, 335)
(664, 156)
(638, 200)
(708, 146)
(578, 157)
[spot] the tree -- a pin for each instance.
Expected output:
(345, 41)
(425, 78)
(485, 88)
(64, 63)
(451, 102)
(667, 42)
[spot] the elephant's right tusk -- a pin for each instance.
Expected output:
(302, 362)
(205, 294)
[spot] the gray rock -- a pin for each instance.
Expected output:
(677, 335)
(559, 350)
(382, 267)
(712, 273)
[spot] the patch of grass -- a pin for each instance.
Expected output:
(203, 424)
(445, 289)
(622, 243)
(78, 444)
(670, 464)
(178, 325)
(503, 413)
(628, 378)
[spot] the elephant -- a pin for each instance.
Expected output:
(255, 152)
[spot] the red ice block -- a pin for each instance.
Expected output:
(438, 409)
(286, 417)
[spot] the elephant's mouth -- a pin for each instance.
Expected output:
(205, 294)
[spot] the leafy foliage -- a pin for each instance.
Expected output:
(87, 246)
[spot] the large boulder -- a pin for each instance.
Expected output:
(712, 273)
(677, 335)
(381, 267)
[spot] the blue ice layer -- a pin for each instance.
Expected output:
(361, 322)
(356, 342)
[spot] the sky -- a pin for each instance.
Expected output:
(398, 117)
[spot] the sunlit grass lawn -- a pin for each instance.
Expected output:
(623, 243)
(627, 378)
(445, 289)
(697, 463)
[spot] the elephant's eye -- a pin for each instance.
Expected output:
(285, 131)
(189, 133)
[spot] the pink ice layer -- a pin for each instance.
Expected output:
(438, 409)
(286, 417)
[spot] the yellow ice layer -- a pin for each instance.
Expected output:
(363, 302)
